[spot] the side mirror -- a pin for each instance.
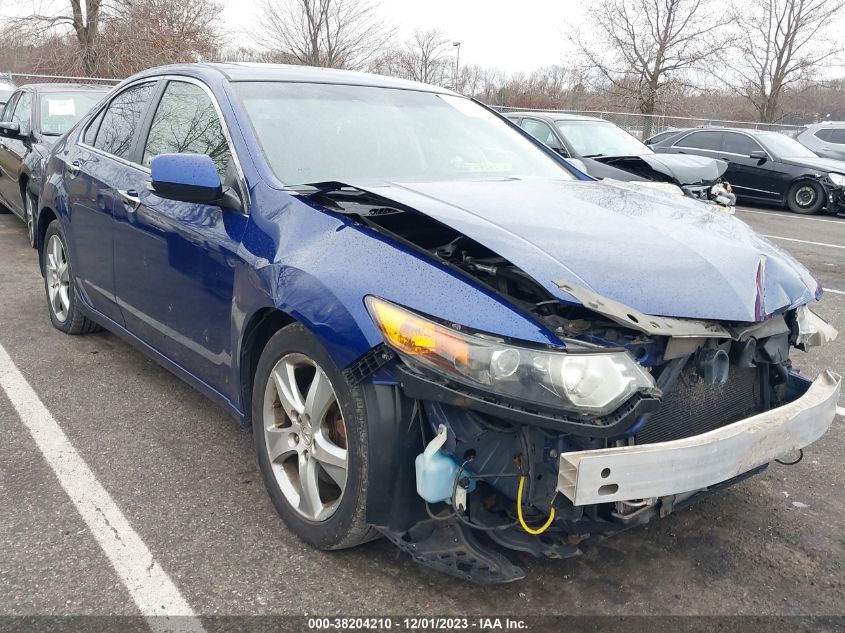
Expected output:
(759, 154)
(10, 129)
(186, 178)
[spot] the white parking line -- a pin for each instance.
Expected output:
(147, 583)
(791, 216)
(840, 411)
(792, 239)
(836, 292)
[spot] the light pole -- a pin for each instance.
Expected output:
(457, 45)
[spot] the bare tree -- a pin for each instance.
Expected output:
(782, 44)
(156, 32)
(426, 57)
(330, 33)
(84, 19)
(642, 45)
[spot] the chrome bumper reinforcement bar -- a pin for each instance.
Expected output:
(693, 463)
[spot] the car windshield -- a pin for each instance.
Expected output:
(5, 93)
(782, 146)
(600, 138)
(60, 110)
(326, 132)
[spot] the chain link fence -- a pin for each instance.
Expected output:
(24, 78)
(641, 126)
(644, 126)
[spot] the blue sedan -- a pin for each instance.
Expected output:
(438, 330)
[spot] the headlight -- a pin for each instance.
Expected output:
(666, 187)
(837, 179)
(586, 380)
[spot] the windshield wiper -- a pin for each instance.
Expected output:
(592, 155)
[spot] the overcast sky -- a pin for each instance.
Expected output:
(514, 36)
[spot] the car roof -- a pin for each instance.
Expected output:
(825, 124)
(556, 116)
(242, 71)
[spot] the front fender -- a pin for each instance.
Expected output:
(325, 265)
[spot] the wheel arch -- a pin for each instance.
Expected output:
(259, 329)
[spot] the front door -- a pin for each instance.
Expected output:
(176, 262)
(12, 152)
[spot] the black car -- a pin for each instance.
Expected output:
(35, 116)
(604, 150)
(767, 167)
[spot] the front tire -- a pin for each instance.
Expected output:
(310, 432)
(59, 285)
(805, 197)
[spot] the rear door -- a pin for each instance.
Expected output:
(101, 164)
(177, 261)
(13, 151)
(831, 142)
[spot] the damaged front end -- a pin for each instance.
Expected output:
(536, 448)
(698, 177)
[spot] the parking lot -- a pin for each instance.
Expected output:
(183, 474)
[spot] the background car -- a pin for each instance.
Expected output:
(767, 167)
(422, 311)
(34, 117)
(607, 151)
(824, 139)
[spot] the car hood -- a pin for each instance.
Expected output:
(662, 255)
(684, 169)
(821, 164)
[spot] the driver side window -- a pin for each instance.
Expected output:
(9, 107)
(542, 132)
(23, 112)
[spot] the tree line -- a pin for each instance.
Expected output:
(770, 60)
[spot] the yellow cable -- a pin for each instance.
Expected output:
(522, 522)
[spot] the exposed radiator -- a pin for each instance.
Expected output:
(692, 407)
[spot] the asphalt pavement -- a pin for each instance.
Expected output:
(177, 474)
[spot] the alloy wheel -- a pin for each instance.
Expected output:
(305, 437)
(30, 223)
(805, 196)
(58, 278)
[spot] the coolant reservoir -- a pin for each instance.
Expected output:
(436, 471)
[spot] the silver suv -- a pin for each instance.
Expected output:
(825, 139)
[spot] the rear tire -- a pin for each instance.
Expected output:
(310, 426)
(805, 197)
(59, 284)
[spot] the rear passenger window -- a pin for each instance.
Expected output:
(739, 144)
(122, 120)
(186, 121)
(702, 140)
(838, 135)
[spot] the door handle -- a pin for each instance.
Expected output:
(824, 149)
(130, 199)
(73, 168)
